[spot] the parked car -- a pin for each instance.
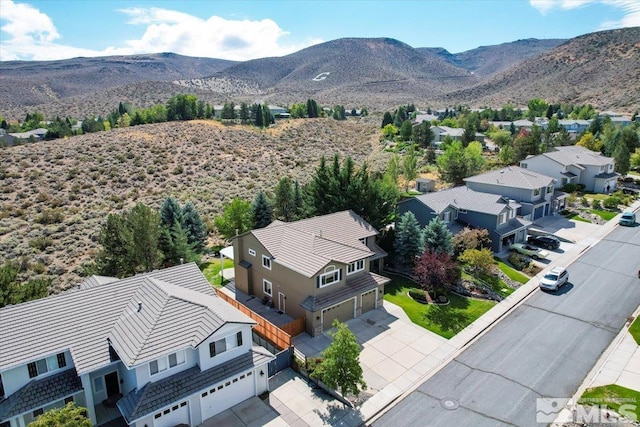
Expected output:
(532, 251)
(557, 277)
(549, 242)
(628, 218)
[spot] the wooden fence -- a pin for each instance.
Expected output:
(295, 327)
(280, 337)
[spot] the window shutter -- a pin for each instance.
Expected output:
(339, 274)
(61, 360)
(33, 371)
(239, 339)
(318, 281)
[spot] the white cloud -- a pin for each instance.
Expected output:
(32, 35)
(630, 9)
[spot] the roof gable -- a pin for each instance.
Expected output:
(464, 198)
(514, 177)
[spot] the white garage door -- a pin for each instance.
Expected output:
(172, 416)
(227, 394)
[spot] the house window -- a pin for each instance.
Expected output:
(267, 287)
(38, 412)
(550, 189)
(68, 399)
(166, 362)
(536, 192)
(252, 252)
(355, 266)
(502, 218)
(217, 347)
(49, 364)
(266, 262)
(329, 278)
(98, 384)
(523, 165)
(447, 217)
(239, 339)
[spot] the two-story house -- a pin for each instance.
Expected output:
(460, 206)
(321, 268)
(157, 349)
(575, 165)
(441, 132)
(533, 191)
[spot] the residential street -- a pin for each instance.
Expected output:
(544, 348)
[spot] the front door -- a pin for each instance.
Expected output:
(111, 382)
(281, 302)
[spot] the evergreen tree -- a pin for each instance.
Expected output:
(244, 113)
(283, 204)
(407, 240)
(298, 201)
(194, 227)
(387, 119)
(621, 156)
(436, 237)
(142, 236)
(393, 167)
(179, 250)
(340, 367)
(112, 258)
(261, 211)
(319, 189)
(312, 109)
(170, 212)
(14, 292)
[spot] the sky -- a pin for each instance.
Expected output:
(243, 30)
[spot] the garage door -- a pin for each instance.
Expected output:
(227, 394)
(171, 417)
(342, 312)
(368, 301)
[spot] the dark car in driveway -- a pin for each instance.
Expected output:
(548, 242)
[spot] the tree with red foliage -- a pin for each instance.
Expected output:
(436, 271)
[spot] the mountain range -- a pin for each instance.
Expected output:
(600, 68)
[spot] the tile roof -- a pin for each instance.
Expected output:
(514, 177)
(576, 155)
(355, 286)
(82, 320)
(162, 318)
(156, 395)
(308, 245)
(512, 225)
(464, 198)
(40, 392)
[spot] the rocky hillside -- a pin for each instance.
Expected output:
(485, 61)
(56, 195)
(600, 68)
(29, 83)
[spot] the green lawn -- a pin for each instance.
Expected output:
(211, 270)
(577, 217)
(634, 330)
(606, 215)
(444, 320)
(512, 273)
(613, 396)
(493, 282)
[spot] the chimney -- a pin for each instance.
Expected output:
(139, 306)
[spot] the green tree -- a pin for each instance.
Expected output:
(468, 135)
(536, 108)
(244, 113)
(340, 367)
(387, 119)
(393, 167)
(422, 134)
(178, 249)
(407, 240)
(339, 113)
(14, 292)
(261, 211)
(194, 227)
(589, 142)
(409, 167)
(562, 138)
(480, 260)
(457, 163)
(282, 202)
(406, 130)
(67, 416)
(634, 159)
(389, 131)
(259, 116)
(298, 111)
(298, 201)
(235, 219)
(621, 156)
(436, 237)
(471, 238)
(170, 212)
(312, 109)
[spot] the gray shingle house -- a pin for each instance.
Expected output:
(575, 165)
(461, 206)
(533, 191)
(157, 349)
(320, 268)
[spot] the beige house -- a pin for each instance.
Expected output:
(321, 268)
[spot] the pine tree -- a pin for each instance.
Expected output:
(283, 206)
(340, 367)
(170, 212)
(259, 120)
(261, 210)
(298, 201)
(437, 237)
(407, 241)
(195, 228)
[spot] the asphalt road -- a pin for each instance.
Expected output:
(544, 348)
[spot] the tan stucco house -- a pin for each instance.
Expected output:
(320, 268)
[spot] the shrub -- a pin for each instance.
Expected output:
(580, 187)
(595, 204)
(50, 216)
(41, 243)
(518, 261)
(569, 188)
(584, 201)
(611, 202)
(418, 295)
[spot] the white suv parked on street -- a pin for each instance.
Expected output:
(557, 277)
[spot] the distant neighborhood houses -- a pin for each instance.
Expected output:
(13, 138)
